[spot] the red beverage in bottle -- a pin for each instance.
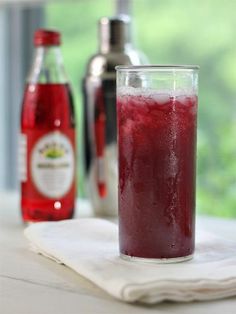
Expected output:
(157, 146)
(47, 141)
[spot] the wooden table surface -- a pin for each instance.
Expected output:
(32, 284)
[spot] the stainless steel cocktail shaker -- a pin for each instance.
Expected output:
(99, 90)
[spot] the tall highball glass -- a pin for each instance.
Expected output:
(157, 122)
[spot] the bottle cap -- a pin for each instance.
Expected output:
(114, 32)
(45, 37)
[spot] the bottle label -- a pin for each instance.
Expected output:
(22, 158)
(52, 165)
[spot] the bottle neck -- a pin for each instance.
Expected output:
(47, 66)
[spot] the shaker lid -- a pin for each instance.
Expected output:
(114, 32)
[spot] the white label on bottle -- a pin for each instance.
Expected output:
(22, 166)
(53, 165)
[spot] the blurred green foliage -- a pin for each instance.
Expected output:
(174, 32)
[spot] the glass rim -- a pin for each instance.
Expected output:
(159, 67)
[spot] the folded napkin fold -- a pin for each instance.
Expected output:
(90, 247)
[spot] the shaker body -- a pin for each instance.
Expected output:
(101, 144)
(99, 91)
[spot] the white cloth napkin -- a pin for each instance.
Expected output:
(90, 247)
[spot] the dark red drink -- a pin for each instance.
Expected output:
(157, 147)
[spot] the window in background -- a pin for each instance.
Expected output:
(184, 32)
(3, 109)
(17, 24)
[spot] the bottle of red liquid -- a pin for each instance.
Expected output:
(47, 140)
